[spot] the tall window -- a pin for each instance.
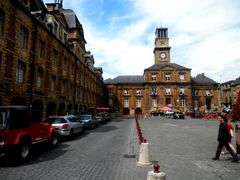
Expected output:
(65, 64)
(23, 39)
(55, 31)
(154, 77)
(138, 92)
(42, 49)
(196, 92)
(21, 68)
(73, 69)
(167, 77)
(154, 102)
(53, 84)
(126, 102)
(154, 91)
(168, 90)
(182, 102)
(65, 38)
(0, 61)
(182, 91)
(54, 57)
(39, 78)
(2, 17)
(181, 77)
(126, 92)
(64, 87)
(138, 102)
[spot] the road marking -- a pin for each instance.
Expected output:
(169, 124)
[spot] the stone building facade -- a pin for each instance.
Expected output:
(162, 84)
(43, 60)
(229, 93)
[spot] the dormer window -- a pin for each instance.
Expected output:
(167, 77)
(154, 77)
(208, 93)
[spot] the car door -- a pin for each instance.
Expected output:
(77, 126)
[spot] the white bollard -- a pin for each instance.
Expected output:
(156, 176)
(144, 157)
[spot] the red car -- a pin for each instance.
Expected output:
(18, 131)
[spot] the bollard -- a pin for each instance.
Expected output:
(155, 174)
(144, 157)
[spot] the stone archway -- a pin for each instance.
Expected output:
(51, 109)
(126, 111)
(138, 111)
(61, 109)
(69, 109)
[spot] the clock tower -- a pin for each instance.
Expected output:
(162, 49)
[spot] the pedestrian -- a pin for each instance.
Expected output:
(224, 139)
(230, 133)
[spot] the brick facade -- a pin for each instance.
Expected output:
(43, 60)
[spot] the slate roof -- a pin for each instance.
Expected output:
(71, 18)
(156, 67)
(237, 81)
(132, 79)
(202, 79)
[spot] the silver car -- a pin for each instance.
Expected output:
(66, 125)
(88, 120)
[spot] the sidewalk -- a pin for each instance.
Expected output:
(183, 149)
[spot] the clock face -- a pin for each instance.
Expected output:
(163, 55)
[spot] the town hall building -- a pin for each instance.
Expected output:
(162, 84)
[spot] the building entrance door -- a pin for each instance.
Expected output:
(168, 101)
(208, 103)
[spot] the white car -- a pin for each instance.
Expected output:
(169, 113)
(66, 125)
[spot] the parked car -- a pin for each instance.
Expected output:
(169, 113)
(100, 118)
(20, 129)
(66, 125)
(89, 121)
(155, 113)
(178, 115)
(106, 115)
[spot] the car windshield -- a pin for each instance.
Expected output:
(4, 115)
(72, 119)
(55, 120)
(85, 117)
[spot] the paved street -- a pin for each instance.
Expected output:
(182, 147)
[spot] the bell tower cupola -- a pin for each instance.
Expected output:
(161, 49)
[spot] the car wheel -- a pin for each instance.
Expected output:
(23, 151)
(83, 130)
(71, 133)
(54, 140)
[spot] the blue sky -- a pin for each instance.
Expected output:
(203, 35)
